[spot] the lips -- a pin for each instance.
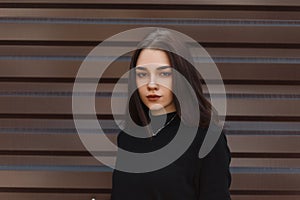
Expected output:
(153, 97)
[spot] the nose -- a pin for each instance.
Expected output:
(152, 85)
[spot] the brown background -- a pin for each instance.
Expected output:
(255, 44)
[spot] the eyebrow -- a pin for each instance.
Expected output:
(159, 68)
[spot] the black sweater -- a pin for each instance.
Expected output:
(188, 178)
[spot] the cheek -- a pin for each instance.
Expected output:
(170, 95)
(140, 84)
(141, 90)
(168, 87)
(167, 83)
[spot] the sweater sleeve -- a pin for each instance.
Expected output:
(215, 177)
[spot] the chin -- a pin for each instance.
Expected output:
(155, 107)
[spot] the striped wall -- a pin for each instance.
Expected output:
(255, 44)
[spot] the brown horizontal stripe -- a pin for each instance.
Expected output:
(244, 34)
(53, 190)
(65, 71)
(80, 161)
(265, 155)
(114, 80)
(52, 196)
(154, 14)
(88, 154)
(45, 153)
(249, 45)
(265, 144)
(266, 182)
(264, 118)
(201, 33)
(204, 44)
(96, 180)
(49, 43)
(151, 6)
(264, 192)
(227, 54)
(61, 161)
(68, 190)
(63, 105)
(55, 80)
(259, 82)
(88, 196)
(55, 179)
(235, 162)
(16, 88)
(52, 116)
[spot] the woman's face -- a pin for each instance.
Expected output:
(154, 81)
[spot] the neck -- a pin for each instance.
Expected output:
(158, 122)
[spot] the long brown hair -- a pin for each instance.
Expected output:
(164, 40)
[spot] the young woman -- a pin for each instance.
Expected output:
(188, 177)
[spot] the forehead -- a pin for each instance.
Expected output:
(153, 56)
